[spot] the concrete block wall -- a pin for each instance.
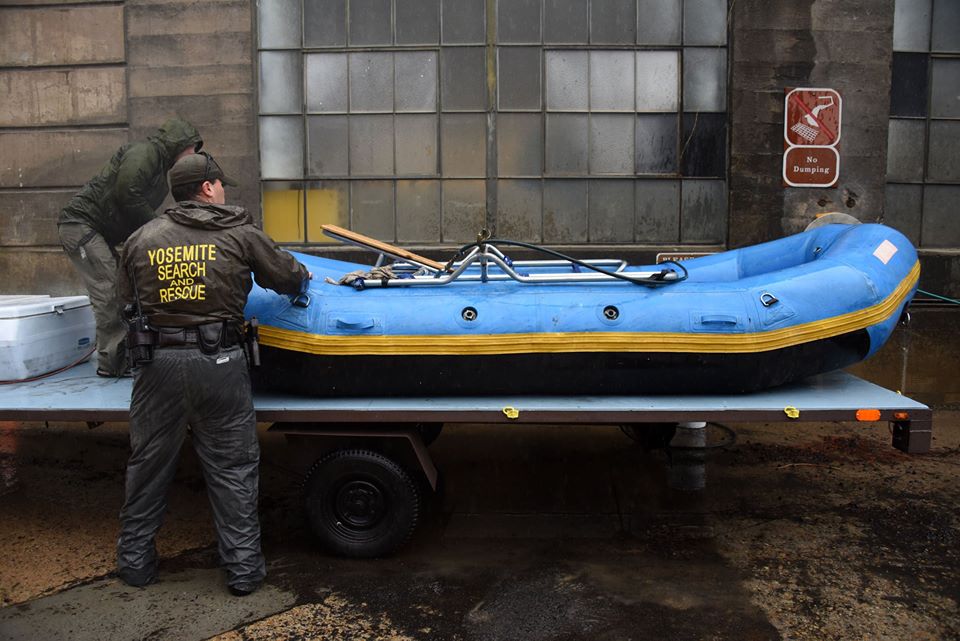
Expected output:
(63, 110)
(77, 80)
(840, 44)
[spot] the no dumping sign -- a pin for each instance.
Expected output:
(811, 130)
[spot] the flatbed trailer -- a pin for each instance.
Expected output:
(363, 495)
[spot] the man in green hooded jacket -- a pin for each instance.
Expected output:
(112, 205)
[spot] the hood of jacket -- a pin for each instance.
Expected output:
(202, 215)
(174, 136)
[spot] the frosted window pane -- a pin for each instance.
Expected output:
(418, 211)
(463, 81)
(324, 23)
(905, 150)
(658, 211)
(327, 146)
(946, 26)
(464, 145)
(519, 145)
(518, 21)
(370, 22)
(565, 211)
(279, 22)
(281, 147)
(909, 84)
(418, 21)
(611, 211)
(567, 87)
(416, 145)
(657, 144)
(464, 210)
(371, 145)
(519, 203)
(326, 82)
(611, 80)
(613, 21)
(371, 209)
(519, 78)
(940, 227)
(328, 202)
(283, 218)
(705, 22)
(944, 142)
(946, 88)
(565, 21)
(901, 210)
(371, 81)
(658, 22)
(704, 211)
(911, 25)
(611, 144)
(280, 82)
(704, 79)
(704, 137)
(568, 144)
(463, 21)
(658, 80)
(416, 81)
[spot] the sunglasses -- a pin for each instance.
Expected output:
(211, 170)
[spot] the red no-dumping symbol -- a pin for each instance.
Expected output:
(812, 117)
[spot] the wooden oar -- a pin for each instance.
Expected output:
(359, 239)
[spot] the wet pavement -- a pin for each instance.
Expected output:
(804, 531)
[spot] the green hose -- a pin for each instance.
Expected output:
(949, 300)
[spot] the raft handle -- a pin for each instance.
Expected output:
(358, 324)
(301, 300)
(767, 299)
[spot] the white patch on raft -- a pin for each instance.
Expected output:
(885, 251)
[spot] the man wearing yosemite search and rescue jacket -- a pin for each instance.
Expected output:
(111, 206)
(188, 274)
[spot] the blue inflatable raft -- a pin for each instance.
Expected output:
(736, 321)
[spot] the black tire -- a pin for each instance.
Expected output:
(360, 503)
(650, 436)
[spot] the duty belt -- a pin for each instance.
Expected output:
(190, 336)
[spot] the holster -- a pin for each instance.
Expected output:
(252, 342)
(140, 341)
(210, 336)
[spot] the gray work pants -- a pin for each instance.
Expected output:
(93, 257)
(212, 394)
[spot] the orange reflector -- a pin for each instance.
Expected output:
(868, 415)
(901, 416)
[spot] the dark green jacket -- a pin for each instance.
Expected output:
(192, 265)
(127, 191)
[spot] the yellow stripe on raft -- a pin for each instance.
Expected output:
(558, 342)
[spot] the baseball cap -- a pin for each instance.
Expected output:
(195, 168)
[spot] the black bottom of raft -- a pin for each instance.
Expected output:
(577, 374)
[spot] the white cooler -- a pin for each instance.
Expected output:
(41, 334)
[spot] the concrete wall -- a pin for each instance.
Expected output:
(841, 44)
(79, 80)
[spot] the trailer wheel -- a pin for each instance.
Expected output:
(650, 436)
(360, 503)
